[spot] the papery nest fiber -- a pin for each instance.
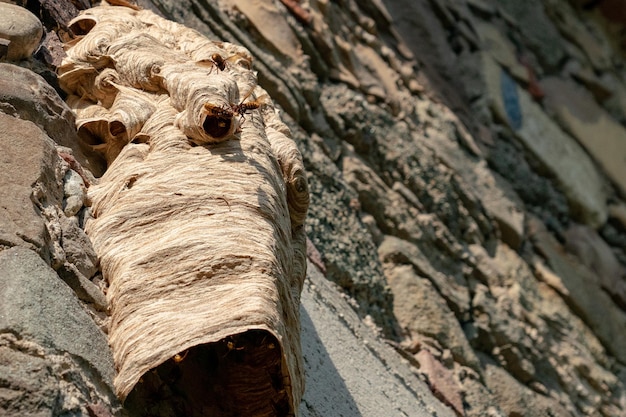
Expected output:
(198, 219)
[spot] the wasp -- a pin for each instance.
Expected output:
(178, 358)
(218, 61)
(243, 107)
(232, 346)
(219, 120)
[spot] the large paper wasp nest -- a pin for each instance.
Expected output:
(198, 219)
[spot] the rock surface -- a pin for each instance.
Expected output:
(28, 96)
(52, 353)
(465, 161)
(22, 31)
(341, 356)
(592, 126)
(27, 158)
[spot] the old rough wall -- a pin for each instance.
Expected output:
(466, 165)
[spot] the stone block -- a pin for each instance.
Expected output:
(27, 157)
(349, 370)
(586, 298)
(415, 297)
(501, 49)
(597, 256)
(592, 126)
(21, 28)
(559, 153)
(537, 31)
(28, 96)
(35, 304)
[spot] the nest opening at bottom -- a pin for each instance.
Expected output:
(240, 375)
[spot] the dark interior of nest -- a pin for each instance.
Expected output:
(240, 375)
(217, 126)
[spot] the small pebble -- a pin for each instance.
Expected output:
(74, 190)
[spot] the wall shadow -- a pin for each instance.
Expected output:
(326, 392)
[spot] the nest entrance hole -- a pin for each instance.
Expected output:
(240, 375)
(217, 126)
(82, 26)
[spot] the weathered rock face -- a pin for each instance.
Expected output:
(465, 161)
(20, 32)
(55, 359)
(27, 158)
(26, 95)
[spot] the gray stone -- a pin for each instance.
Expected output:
(36, 304)
(21, 28)
(482, 6)
(517, 319)
(52, 214)
(349, 371)
(418, 24)
(596, 47)
(616, 104)
(617, 211)
(537, 31)
(503, 204)
(516, 363)
(27, 387)
(344, 242)
(494, 193)
(593, 127)
(84, 289)
(391, 209)
(594, 306)
(274, 29)
(37, 383)
(480, 400)
(501, 49)
(601, 89)
(559, 153)
(517, 399)
(538, 191)
(409, 158)
(27, 158)
(28, 96)
(415, 297)
(77, 247)
(598, 257)
(451, 287)
(74, 191)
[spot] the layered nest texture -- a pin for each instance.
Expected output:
(197, 217)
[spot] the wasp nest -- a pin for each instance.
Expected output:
(198, 217)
